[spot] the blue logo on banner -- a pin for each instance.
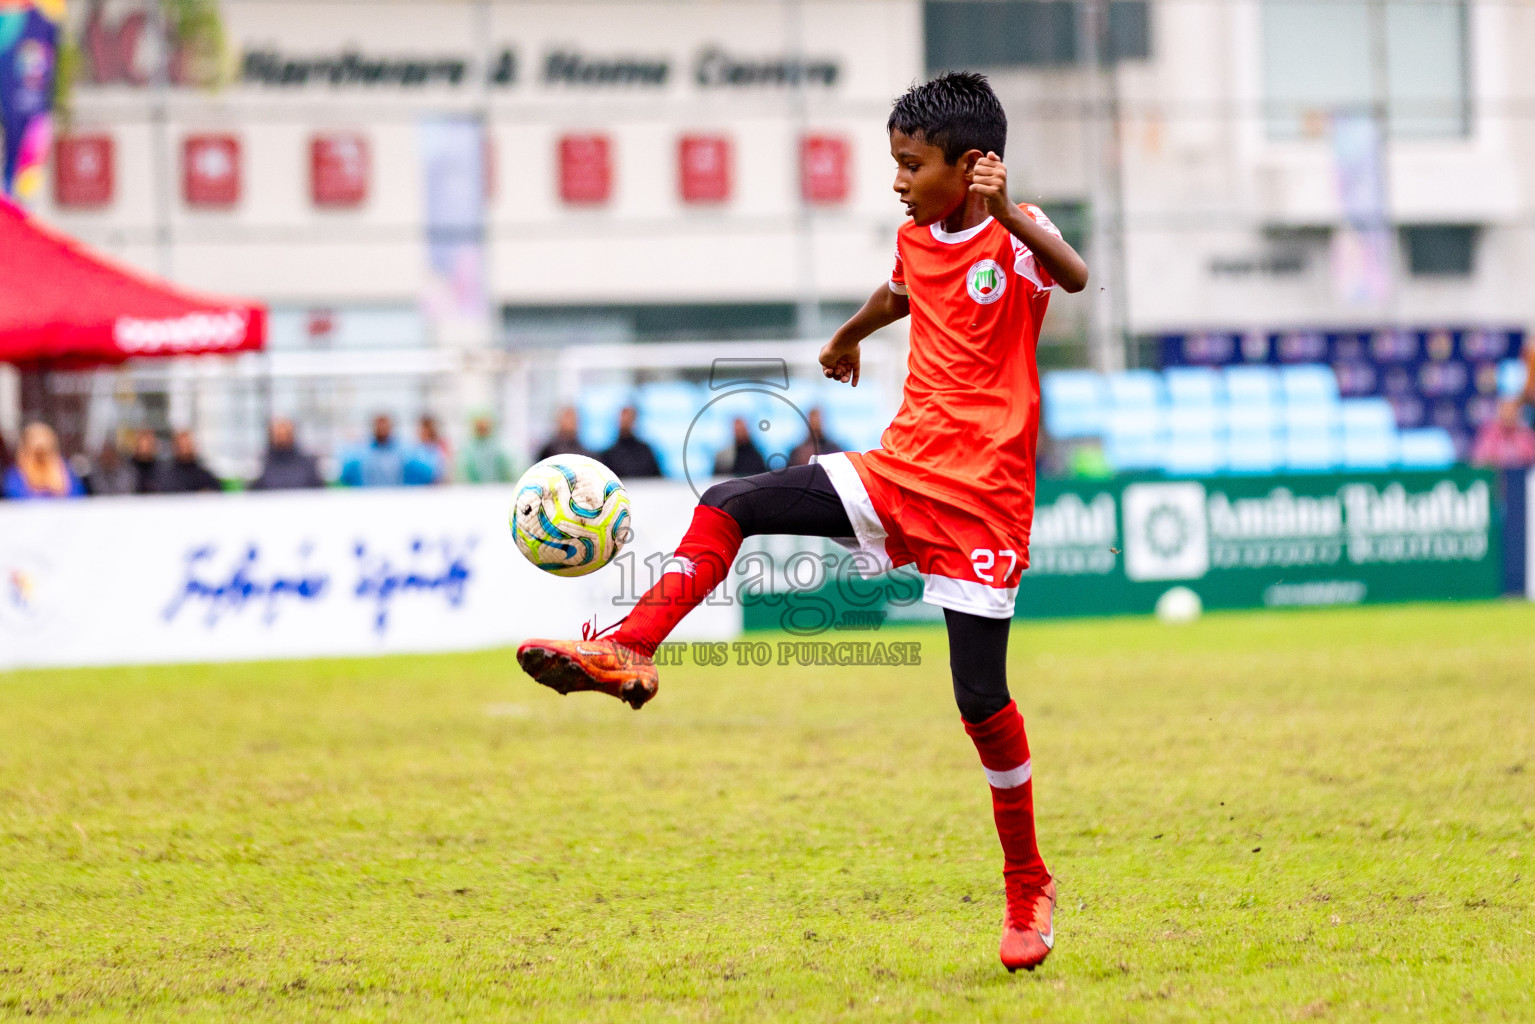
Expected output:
(243, 585)
(381, 581)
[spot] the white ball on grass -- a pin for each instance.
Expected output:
(1179, 606)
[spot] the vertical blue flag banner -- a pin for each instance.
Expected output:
(1362, 246)
(452, 163)
(29, 35)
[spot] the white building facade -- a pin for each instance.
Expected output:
(717, 169)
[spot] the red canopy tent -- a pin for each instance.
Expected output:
(63, 306)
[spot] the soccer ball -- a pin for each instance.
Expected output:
(1179, 606)
(570, 515)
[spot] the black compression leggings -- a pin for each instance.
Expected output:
(801, 501)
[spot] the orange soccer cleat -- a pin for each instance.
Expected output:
(1029, 932)
(568, 666)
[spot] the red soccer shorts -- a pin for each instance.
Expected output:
(967, 563)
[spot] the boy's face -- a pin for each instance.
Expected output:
(930, 187)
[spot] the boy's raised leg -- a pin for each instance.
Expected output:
(622, 665)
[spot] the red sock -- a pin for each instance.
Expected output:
(703, 558)
(1004, 750)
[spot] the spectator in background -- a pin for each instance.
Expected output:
(484, 462)
(185, 472)
(436, 455)
(5, 463)
(815, 443)
(286, 468)
(145, 461)
(1504, 441)
(743, 458)
(566, 439)
(40, 471)
(1528, 398)
(380, 463)
(112, 475)
(630, 457)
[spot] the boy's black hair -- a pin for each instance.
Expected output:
(957, 112)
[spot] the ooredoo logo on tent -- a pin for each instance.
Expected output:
(178, 334)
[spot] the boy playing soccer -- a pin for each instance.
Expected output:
(951, 488)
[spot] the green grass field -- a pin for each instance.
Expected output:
(1261, 817)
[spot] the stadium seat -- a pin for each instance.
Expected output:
(671, 399)
(1511, 377)
(1196, 419)
(1135, 389)
(1366, 416)
(1074, 403)
(1253, 418)
(1370, 450)
(1313, 418)
(1252, 385)
(857, 416)
(1312, 450)
(1427, 448)
(598, 406)
(1309, 384)
(1253, 451)
(1136, 438)
(1194, 386)
(1194, 454)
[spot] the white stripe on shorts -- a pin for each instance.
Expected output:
(970, 596)
(859, 508)
(1010, 779)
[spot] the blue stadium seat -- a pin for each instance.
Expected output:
(1426, 448)
(1074, 403)
(671, 399)
(1367, 416)
(1252, 385)
(1253, 417)
(1136, 438)
(1194, 454)
(1312, 418)
(1135, 389)
(1370, 450)
(1253, 451)
(857, 416)
(1194, 386)
(1309, 384)
(1312, 450)
(1511, 377)
(1196, 419)
(598, 407)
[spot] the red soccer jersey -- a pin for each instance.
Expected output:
(969, 419)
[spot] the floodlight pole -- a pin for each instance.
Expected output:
(1108, 335)
(159, 143)
(1380, 113)
(807, 314)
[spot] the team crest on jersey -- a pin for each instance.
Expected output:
(985, 282)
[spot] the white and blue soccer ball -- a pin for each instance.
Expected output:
(571, 515)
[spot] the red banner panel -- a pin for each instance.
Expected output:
(703, 168)
(210, 170)
(82, 170)
(338, 169)
(586, 168)
(823, 168)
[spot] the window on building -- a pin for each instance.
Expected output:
(1323, 56)
(1026, 33)
(1129, 30)
(1440, 250)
